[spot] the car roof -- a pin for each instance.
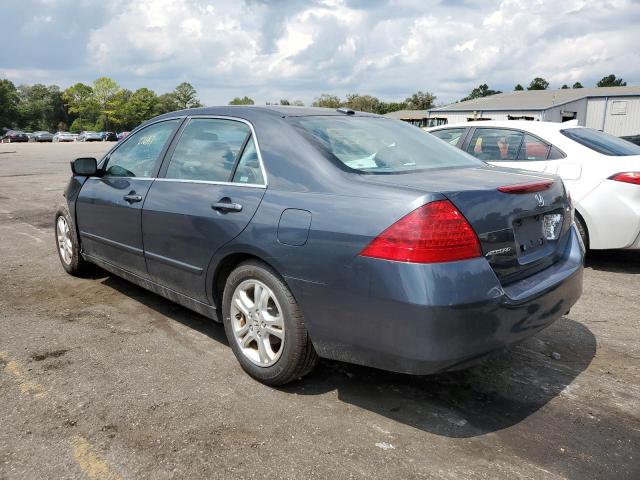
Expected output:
(249, 111)
(528, 125)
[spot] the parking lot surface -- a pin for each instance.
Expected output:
(101, 379)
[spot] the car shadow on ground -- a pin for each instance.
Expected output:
(165, 307)
(616, 261)
(500, 392)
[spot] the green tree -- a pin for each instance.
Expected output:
(518, 88)
(142, 105)
(611, 81)
(104, 93)
(242, 101)
(363, 103)
(564, 87)
(327, 100)
(81, 106)
(8, 104)
(538, 83)
(480, 91)
(166, 103)
(420, 101)
(285, 102)
(392, 107)
(186, 96)
(577, 85)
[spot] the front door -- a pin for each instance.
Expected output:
(210, 187)
(109, 207)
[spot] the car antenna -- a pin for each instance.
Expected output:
(346, 111)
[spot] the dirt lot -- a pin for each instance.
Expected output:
(100, 379)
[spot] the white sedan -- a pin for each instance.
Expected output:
(600, 171)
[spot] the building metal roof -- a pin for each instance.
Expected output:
(535, 99)
(408, 114)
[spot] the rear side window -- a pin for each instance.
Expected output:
(495, 144)
(207, 150)
(533, 149)
(379, 145)
(601, 142)
(138, 155)
(449, 135)
(248, 169)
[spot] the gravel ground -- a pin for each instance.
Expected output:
(100, 379)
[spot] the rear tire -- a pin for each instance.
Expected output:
(289, 354)
(582, 230)
(67, 244)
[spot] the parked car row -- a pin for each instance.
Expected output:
(14, 136)
(600, 171)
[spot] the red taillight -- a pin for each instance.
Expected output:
(627, 177)
(435, 232)
(527, 187)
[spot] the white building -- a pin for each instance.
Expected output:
(615, 110)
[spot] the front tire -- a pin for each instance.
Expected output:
(67, 243)
(265, 326)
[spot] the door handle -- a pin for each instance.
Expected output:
(227, 207)
(132, 197)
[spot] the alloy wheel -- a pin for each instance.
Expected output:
(63, 234)
(257, 323)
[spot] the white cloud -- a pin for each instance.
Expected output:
(299, 49)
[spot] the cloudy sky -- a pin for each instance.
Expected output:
(297, 49)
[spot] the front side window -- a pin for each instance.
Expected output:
(138, 155)
(449, 135)
(378, 145)
(495, 144)
(207, 150)
(533, 149)
(601, 142)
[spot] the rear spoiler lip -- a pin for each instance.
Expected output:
(529, 187)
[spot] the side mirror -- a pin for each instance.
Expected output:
(85, 166)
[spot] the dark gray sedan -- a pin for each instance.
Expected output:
(42, 136)
(331, 233)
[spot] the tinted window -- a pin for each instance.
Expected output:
(379, 145)
(533, 149)
(138, 155)
(495, 144)
(207, 150)
(449, 135)
(601, 142)
(248, 169)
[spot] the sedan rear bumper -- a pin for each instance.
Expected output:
(423, 319)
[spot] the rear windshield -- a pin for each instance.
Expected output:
(379, 145)
(601, 142)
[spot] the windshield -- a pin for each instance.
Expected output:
(602, 142)
(379, 145)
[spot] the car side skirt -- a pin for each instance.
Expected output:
(181, 299)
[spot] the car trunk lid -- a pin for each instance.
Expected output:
(510, 224)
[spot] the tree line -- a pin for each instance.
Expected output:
(101, 106)
(105, 106)
(540, 83)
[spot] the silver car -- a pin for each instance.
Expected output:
(64, 137)
(41, 136)
(89, 137)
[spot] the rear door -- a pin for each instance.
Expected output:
(509, 148)
(108, 208)
(210, 185)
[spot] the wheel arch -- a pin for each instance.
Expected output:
(581, 218)
(226, 264)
